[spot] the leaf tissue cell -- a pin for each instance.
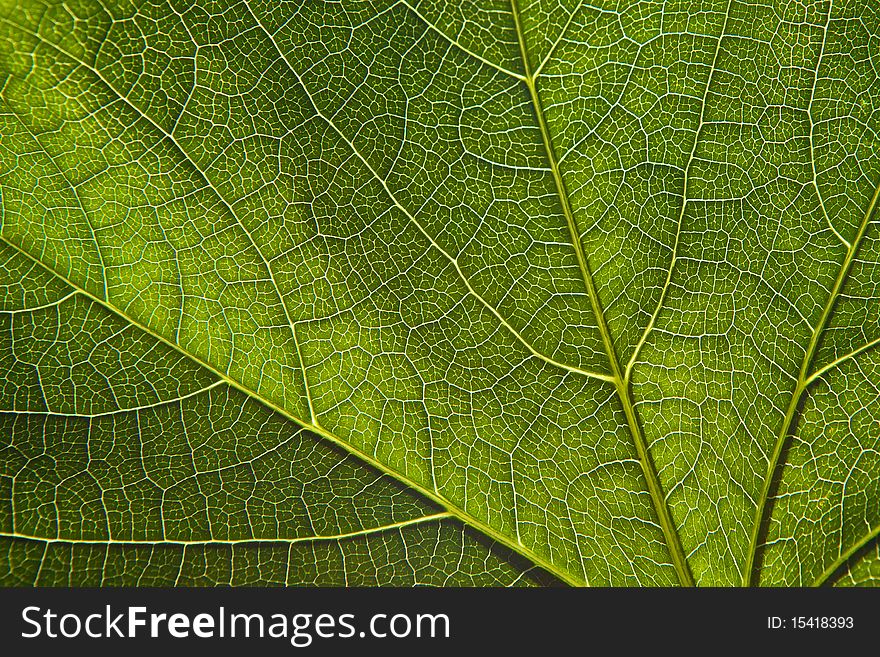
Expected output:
(466, 292)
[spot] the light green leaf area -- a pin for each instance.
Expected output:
(125, 463)
(474, 292)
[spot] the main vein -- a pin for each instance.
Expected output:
(805, 378)
(621, 383)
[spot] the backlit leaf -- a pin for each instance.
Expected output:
(485, 291)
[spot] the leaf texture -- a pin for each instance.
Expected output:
(586, 291)
(168, 476)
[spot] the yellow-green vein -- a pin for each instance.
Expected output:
(655, 489)
(750, 574)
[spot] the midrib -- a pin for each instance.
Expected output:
(621, 384)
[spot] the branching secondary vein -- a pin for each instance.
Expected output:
(750, 573)
(453, 510)
(620, 383)
(237, 541)
(452, 259)
(684, 202)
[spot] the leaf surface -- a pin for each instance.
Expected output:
(589, 286)
(169, 476)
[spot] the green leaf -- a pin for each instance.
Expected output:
(587, 287)
(125, 463)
